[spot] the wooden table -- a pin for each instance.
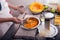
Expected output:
(21, 33)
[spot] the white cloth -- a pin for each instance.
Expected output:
(4, 13)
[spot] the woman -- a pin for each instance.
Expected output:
(6, 18)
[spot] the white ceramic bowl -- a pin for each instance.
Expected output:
(48, 15)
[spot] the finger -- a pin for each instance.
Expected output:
(21, 6)
(19, 19)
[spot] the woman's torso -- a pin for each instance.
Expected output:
(4, 13)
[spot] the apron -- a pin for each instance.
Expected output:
(4, 13)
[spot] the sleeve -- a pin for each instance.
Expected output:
(5, 10)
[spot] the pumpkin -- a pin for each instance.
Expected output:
(36, 7)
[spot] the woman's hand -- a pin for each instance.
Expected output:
(16, 20)
(21, 9)
(15, 7)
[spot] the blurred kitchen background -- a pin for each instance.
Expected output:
(51, 3)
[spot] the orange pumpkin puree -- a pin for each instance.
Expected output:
(31, 22)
